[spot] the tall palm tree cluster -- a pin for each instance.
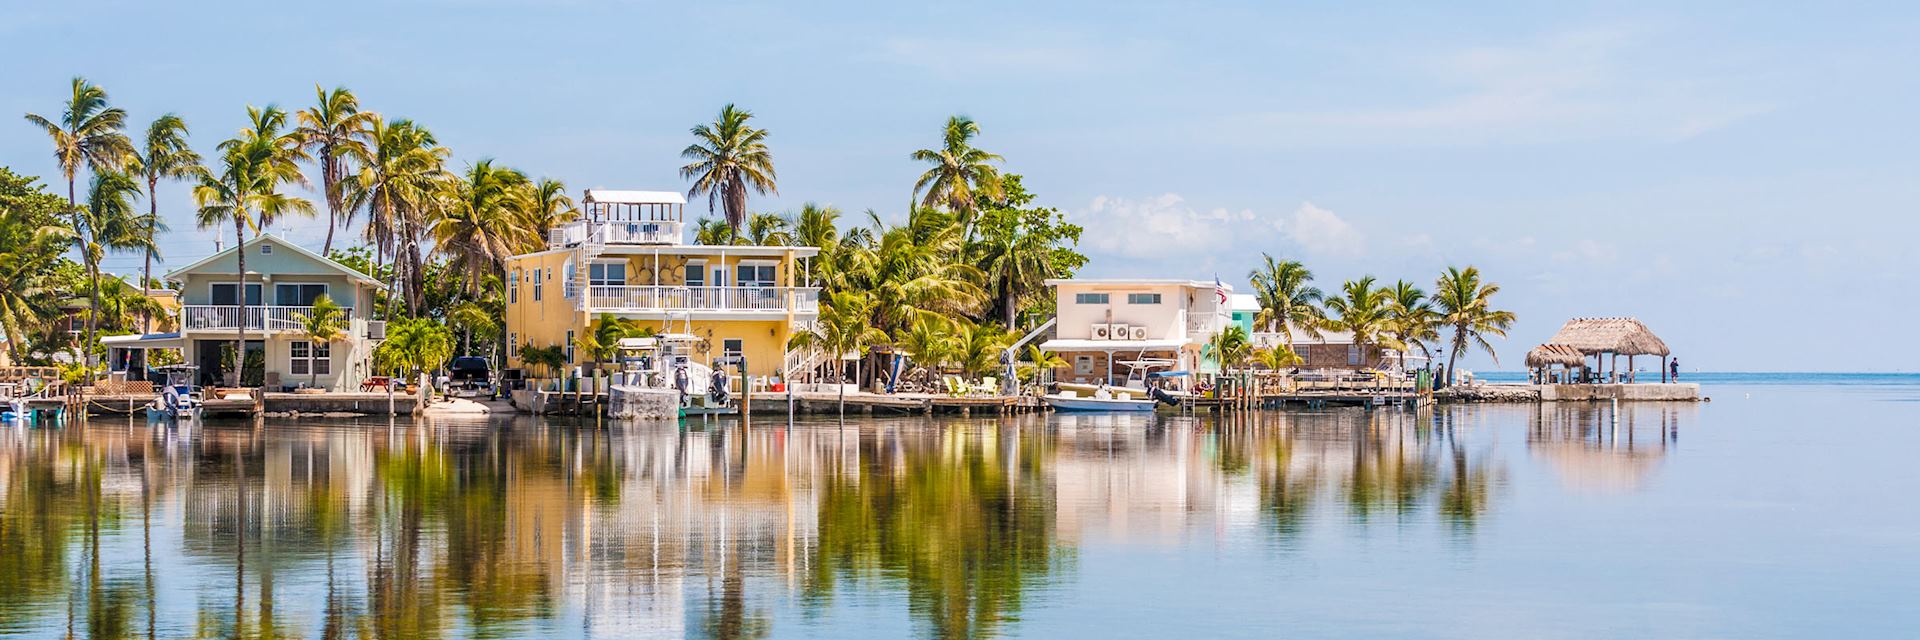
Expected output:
(948, 286)
(439, 234)
(1458, 315)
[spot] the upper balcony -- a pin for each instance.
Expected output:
(605, 233)
(727, 301)
(609, 217)
(266, 318)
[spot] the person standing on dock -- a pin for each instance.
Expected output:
(1673, 369)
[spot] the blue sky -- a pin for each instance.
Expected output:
(1738, 176)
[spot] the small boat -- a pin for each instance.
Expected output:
(179, 398)
(1070, 401)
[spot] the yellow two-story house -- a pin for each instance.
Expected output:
(626, 256)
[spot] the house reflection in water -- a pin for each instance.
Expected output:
(528, 527)
(1605, 448)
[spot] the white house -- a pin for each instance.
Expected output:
(281, 283)
(1099, 322)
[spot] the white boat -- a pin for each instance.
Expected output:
(179, 398)
(1069, 401)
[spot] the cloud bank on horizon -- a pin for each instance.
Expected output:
(1731, 174)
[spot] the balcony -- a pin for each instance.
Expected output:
(581, 232)
(258, 317)
(746, 300)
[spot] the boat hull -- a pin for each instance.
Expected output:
(1097, 404)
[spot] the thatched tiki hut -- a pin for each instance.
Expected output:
(1542, 358)
(1606, 339)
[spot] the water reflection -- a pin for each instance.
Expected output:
(521, 527)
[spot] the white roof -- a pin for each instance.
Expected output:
(1197, 284)
(1111, 345)
(143, 341)
(283, 242)
(1244, 302)
(634, 197)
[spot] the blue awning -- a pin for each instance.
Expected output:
(1169, 374)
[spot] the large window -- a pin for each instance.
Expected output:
(297, 294)
(696, 274)
(311, 358)
(513, 345)
(569, 347)
(566, 282)
(513, 286)
(224, 293)
(754, 275)
(1143, 298)
(1089, 298)
(536, 284)
(607, 274)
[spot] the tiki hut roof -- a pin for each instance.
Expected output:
(1624, 336)
(1550, 354)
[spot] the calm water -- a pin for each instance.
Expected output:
(1785, 508)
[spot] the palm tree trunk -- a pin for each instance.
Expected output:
(327, 170)
(240, 255)
(1459, 345)
(146, 272)
(93, 312)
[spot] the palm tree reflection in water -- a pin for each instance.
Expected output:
(523, 527)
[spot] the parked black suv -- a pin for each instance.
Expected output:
(471, 374)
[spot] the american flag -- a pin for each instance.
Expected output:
(1219, 290)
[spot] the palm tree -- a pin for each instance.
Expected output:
(729, 157)
(1278, 357)
(281, 154)
(167, 157)
(768, 229)
(473, 318)
(109, 223)
(912, 272)
(548, 207)
(1365, 311)
(1288, 299)
(602, 344)
(245, 189)
(844, 325)
(1229, 347)
(326, 323)
(1017, 262)
(1414, 322)
(89, 133)
(415, 346)
(977, 348)
(816, 226)
(713, 231)
(336, 131)
(929, 341)
(1465, 304)
(1039, 360)
(396, 187)
(477, 227)
(959, 170)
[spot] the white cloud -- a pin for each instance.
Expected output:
(1167, 225)
(1320, 231)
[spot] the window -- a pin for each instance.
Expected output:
(266, 249)
(1353, 354)
(1089, 298)
(696, 274)
(607, 274)
(732, 348)
(536, 285)
(310, 358)
(569, 345)
(1143, 298)
(1082, 365)
(513, 345)
(513, 287)
(754, 275)
(223, 293)
(566, 284)
(298, 294)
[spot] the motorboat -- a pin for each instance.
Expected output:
(667, 362)
(179, 397)
(1102, 399)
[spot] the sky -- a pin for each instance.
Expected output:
(1738, 176)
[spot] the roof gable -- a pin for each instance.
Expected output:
(287, 258)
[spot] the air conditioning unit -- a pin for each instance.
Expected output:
(1102, 331)
(1136, 333)
(1119, 331)
(376, 329)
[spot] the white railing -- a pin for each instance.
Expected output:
(655, 298)
(614, 232)
(265, 318)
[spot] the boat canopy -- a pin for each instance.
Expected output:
(1169, 374)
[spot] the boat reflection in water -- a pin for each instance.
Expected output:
(876, 527)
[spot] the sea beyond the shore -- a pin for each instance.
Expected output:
(1780, 509)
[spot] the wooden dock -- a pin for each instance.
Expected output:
(906, 403)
